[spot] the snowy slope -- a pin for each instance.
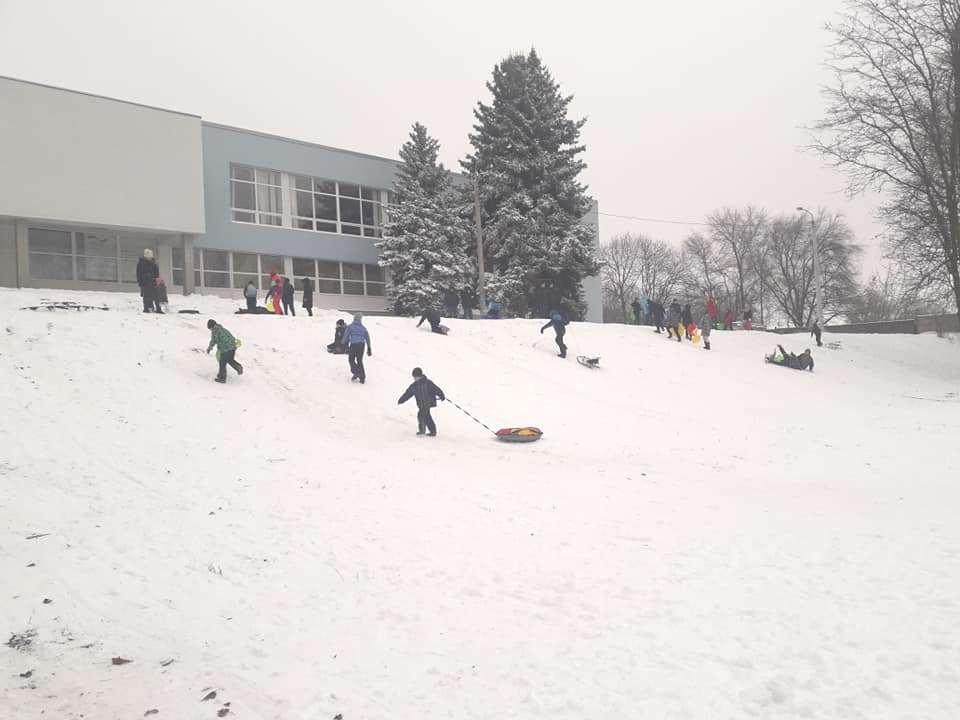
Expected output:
(697, 535)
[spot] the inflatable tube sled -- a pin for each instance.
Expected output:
(519, 434)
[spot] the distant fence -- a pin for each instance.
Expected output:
(923, 323)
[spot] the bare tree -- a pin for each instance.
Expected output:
(890, 296)
(736, 233)
(620, 270)
(663, 270)
(893, 122)
(791, 279)
(708, 270)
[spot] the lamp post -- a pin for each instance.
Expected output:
(817, 278)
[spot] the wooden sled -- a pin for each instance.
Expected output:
(592, 363)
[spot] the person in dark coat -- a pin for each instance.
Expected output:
(433, 317)
(286, 296)
(686, 317)
(427, 394)
(656, 309)
(337, 347)
(815, 333)
(559, 325)
(706, 326)
(803, 361)
(147, 274)
(673, 320)
(250, 293)
(637, 311)
(308, 296)
(356, 338)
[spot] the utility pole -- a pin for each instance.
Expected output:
(481, 291)
(817, 277)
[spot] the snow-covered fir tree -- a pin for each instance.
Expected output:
(424, 239)
(525, 158)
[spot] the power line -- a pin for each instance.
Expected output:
(649, 219)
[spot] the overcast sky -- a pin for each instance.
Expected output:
(691, 106)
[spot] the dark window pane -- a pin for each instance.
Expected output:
(374, 272)
(128, 270)
(302, 183)
(350, 229)
(51, 267)
(270, 264)
(244, 262)
(331, 287)
(50, 241)
(304, 204)
(241, 172)
(240, 280)
(97, 269)
(352, 271)
(270, 219)
(326, 227)
(352, 288)
(371, 213)
(371, 194)
(325, 186)
(328, 269)
(372, 232)
(247, 217)
(376, 289)
(349, 190)
(133, 247)
(303, 224)
(196, 278)
(303, 266)
(243, 195)
(177, 257)
(216, 280)
(215, 260)
(97, 246)
(178, 277)
(326, 207)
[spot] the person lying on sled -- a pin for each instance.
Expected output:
(803, 361)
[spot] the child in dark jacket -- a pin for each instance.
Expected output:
(426, 393)
(559, 325)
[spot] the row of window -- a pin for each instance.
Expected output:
(86, 256)
(268, 197)
(224, 269)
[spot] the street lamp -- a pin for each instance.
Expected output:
(817, 278)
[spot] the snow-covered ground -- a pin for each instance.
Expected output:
(697, 535)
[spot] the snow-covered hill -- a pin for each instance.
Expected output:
(697, 535)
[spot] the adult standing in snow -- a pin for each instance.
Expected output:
(748, 319)
(226, 349)
(559, 325)
(706, 325)
(433, 317)
(637, 311)
(147, 275)
(427, 394)
(815, 333)
(356, 338)
(287, 297)
(250, 293)
(308, 296)
(686, 317)
(673, 320)
(656, 309)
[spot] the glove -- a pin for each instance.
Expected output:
(541, 331)
(369, 353)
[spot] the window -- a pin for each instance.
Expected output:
(352, 279)
(131, 250)
(216, 269)
(97, 258)
(177, 265)
(376, 285)
(304, 267)
(268, 197)
(50, 254)
(245, 270)
(329, 277)
(269, 264)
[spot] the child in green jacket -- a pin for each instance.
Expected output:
(226, 349)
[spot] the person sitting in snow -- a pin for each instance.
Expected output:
(226, 349)
(427, 394)
(433, 317)
(337, 347)
(559, 325)
(803, 361)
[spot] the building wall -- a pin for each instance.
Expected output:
(75, 158)
(592, 287)
(8, 253)
(224, 145)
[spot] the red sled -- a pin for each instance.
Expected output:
(519, 434)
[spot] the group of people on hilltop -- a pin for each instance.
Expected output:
(647, 311)
(280, 296)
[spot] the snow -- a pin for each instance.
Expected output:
(697, 535)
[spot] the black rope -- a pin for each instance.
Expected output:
(469, 415)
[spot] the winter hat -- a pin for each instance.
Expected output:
(340, 321)
(357, 317)
(417, 372)
(148, 253)
(211, 323)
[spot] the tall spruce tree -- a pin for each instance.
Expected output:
(423, 243)
(525, 159)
